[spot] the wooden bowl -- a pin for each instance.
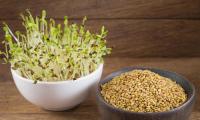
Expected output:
(109, 112)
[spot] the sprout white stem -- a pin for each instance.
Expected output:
(50, 52)
(11, 33)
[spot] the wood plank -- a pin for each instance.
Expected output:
(65, 116)
(9, 98)
(51, 116)
(188, 67)
(195, 116)
(146, 38)
(15, 107)
(10, 9)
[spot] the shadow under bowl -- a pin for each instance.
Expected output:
(109, 112)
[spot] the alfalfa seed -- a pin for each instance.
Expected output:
(143, 91)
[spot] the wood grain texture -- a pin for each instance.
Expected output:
(15, 107)
(10, 9)
(147, 29)
(145, 38)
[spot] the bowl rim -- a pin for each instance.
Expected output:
(126, 69)
(56, 82)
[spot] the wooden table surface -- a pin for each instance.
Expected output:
(153, 33)
(14, 107)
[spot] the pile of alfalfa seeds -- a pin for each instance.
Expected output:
(143, 91)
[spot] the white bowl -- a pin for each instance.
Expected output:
(57, 96)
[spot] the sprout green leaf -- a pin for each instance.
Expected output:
(47, 51)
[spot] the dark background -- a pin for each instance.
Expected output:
(155, 33)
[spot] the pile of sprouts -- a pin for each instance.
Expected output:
(47, 51)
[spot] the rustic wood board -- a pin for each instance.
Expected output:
(9, 9)
(145, 38)
(15, 107)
